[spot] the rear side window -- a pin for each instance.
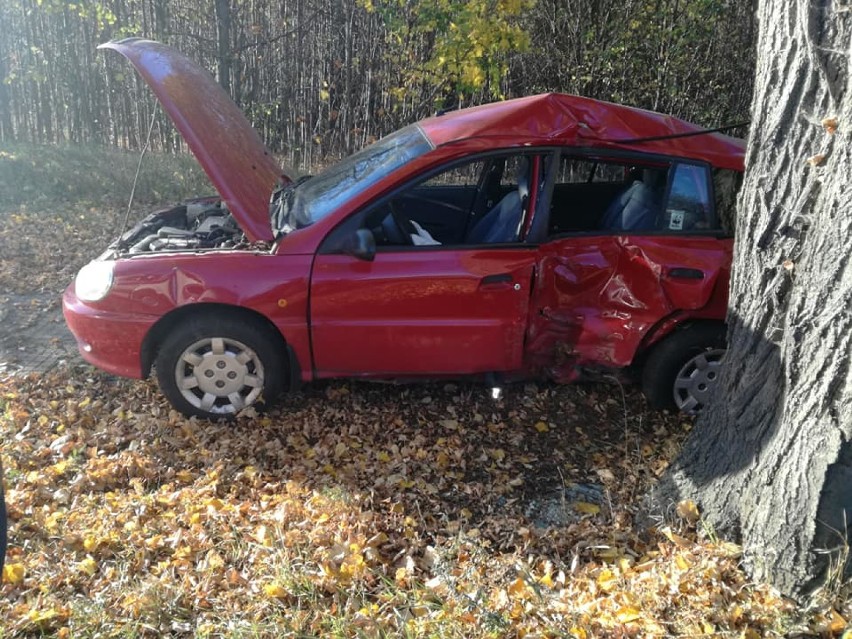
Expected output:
(688, 207)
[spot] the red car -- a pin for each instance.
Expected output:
(547, 236)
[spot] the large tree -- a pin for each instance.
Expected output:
(771, 459)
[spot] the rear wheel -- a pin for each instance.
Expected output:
(214, 367)
(683, 369)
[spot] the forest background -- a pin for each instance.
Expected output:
(321, 78)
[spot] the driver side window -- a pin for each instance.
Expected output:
(479, 202)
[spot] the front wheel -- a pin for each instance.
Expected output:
(214, 367)
(683, 369)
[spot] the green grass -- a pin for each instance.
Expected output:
(42, 175)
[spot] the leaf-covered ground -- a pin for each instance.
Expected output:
(350, 510)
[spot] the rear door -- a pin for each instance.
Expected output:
(599, 292)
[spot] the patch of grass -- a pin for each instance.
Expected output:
(45, 175)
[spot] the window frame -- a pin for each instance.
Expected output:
(335, 239)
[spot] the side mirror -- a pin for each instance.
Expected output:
(361, 244)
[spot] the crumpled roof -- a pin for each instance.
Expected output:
(555, 118)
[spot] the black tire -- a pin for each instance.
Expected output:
(228, 364)
(682, 368)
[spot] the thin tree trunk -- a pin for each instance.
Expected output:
(223, 43)
(758, 460)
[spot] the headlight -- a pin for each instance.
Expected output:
(94, 281)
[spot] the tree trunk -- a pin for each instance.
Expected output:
(770, 461)
(223, 43)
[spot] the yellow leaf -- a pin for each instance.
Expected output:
(586, 507)
(682, 562)
(518, 588)
(214, 504)
(674, 537)
(13, 573)
(88, 566)
(607, 580)
(688, 510)
(578, 633)
(730, 549)
(214, 560)
(90, 543)
(830, 125)
(837, 624)
(45, 618)
(626, 614)
(275, 591)
(542, 427)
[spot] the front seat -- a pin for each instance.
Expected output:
(503, 222)
(637, 207)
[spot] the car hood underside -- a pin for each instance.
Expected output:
(229, 150)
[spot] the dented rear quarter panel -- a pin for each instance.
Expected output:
(598, 300)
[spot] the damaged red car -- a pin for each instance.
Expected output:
(552, 236)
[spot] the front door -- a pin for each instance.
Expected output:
(420, 312)
(435, 300)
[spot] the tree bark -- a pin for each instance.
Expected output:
(223, 43)
(770, 460)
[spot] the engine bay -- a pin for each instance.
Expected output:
(201, 224)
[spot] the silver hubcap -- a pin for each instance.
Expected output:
(219, 375)
(696, 379)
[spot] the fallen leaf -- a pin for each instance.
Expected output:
(830, 125)
(13, 573)
(688, 510)
(586, 507)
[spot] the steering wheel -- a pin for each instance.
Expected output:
(398, 228)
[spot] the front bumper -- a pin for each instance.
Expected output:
(109, 340)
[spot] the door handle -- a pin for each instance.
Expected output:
(684, 273)
(498, 282)
(499, 278)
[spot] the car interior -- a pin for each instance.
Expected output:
(487, 201)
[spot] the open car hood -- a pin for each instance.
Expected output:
(229, 150)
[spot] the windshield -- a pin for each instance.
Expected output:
(323, 193)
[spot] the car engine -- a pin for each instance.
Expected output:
(195, 225)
